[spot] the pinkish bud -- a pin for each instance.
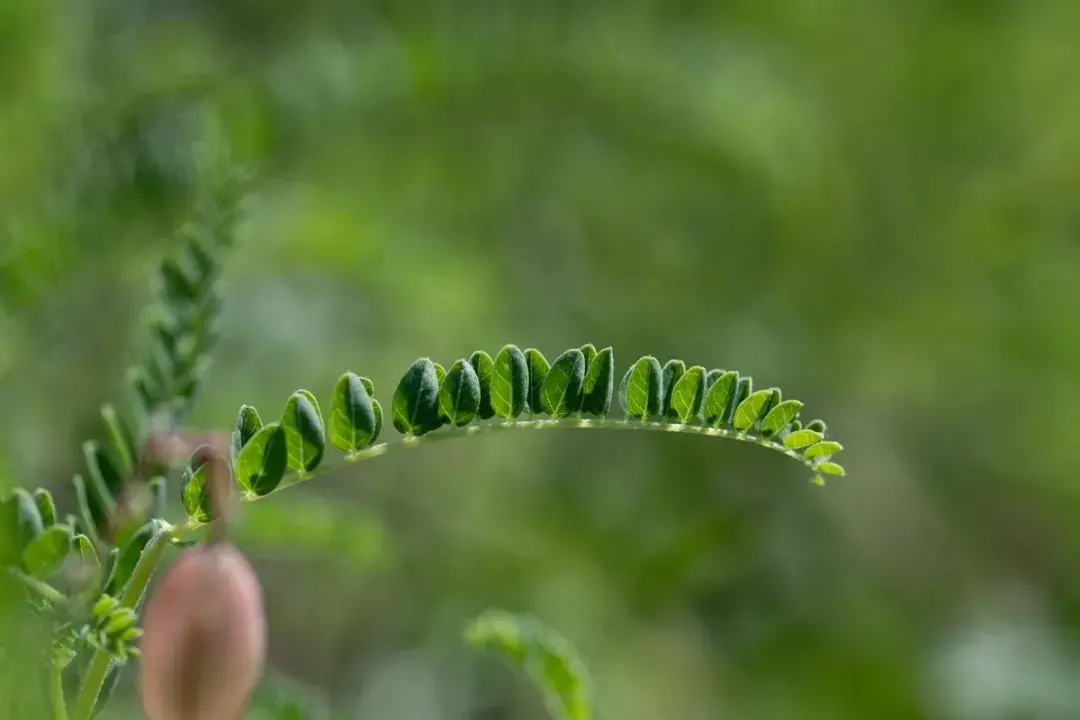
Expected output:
(204, 637)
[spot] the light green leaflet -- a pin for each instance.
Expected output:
(509, 383)
(801, 438)
(780, 417)
(305, 436)
(353, 422)
(641, 392)
(823, 449)
(753, 407)
(561, 393)
(121, 436)
(719, 401)
(548, 658)
(830, 468)
(459, 394)
(47, 551)
(688, 394)
(46, 507)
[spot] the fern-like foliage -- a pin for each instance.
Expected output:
(76, 566)
(551, 662)
(515, 389)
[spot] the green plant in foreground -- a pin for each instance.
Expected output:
(89, 570)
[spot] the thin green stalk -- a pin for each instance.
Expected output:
(404, 443)
(133, 592)
(42, 588)
(56, 692)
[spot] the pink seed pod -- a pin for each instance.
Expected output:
(204, 637)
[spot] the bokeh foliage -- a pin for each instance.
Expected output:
(873, 205)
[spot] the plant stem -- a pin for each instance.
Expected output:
(133, 592)
(56, 692)
(42, 588)
(452, 433)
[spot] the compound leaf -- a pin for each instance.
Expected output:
(548, 658)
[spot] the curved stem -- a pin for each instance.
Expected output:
(406, 442)
(56, 692)
(101, 661)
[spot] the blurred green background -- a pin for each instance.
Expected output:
(874, 205)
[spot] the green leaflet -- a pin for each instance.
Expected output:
(801, 438)
(672, 372)
(25, 516)
(711, 377)
(86, 511)
(305, 435)
(158, 487)
(194, 486)
(45, 553)
(818, 426)
(561, 393)
(122, 439)
(248, 423)
(641, 392)
(599, 383)
(84, 550)
(780, 417)
(109, 569)
(484, 366)
(688, 395)
(104, 482)
(129, 556)
(262, 463)
(830, 468)
(509, 383)
(823, 449)
(753, 408)
(43, 499)
(370, 387)
(353, 423)
(588, 351)
(415, 409)
(719, 401)
(743, 389)
(538, 370)
(548, 658)
(459, 394)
